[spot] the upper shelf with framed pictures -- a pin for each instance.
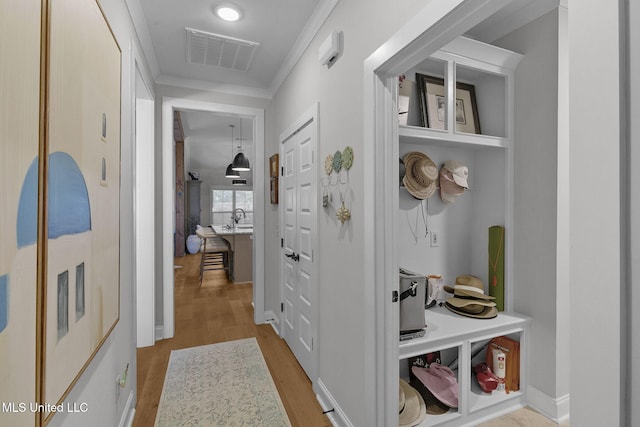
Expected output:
(462, 93)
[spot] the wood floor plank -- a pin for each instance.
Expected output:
(214, 312)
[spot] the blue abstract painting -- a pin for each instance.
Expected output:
(27, 224)
(69, 211)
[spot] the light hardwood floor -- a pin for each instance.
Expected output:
(216, 312)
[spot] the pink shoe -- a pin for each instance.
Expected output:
(487, 379)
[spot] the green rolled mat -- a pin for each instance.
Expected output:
(496, 264)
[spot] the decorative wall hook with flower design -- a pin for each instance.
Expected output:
(343, 213)
(336, 168)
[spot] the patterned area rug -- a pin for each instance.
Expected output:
(225, 384)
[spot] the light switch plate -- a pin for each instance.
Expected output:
(434, 239)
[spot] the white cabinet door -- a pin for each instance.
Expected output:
(299, 198)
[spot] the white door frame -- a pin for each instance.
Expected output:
(434, 26)
(169, 105)
(144, 221)
(308, 118)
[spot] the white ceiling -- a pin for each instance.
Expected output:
(275, 24)
(283, 28)
(208, 137)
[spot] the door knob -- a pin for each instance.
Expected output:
(293, 256)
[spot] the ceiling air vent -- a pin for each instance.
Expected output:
(219, 51)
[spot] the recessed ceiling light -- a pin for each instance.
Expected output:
(228, 12)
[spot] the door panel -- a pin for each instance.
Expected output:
(305, 288)
(299, 230)
(305, 332)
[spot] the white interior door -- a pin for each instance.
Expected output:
(298, 258)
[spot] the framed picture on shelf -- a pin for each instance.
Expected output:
(405, 89)
(433, 104)
(273, 165)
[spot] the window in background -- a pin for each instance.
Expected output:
(225, 202)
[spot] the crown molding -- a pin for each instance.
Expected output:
(311, 28)
(219, 87)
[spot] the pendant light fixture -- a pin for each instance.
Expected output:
(240, 161)
(230, 173)
(239, 182)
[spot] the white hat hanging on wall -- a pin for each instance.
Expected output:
(459, 171)
(420, 176)
(453, 180)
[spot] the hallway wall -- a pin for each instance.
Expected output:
(365, 24)
(632, 295)
(541, 183)
(109, 405)
(595, 206)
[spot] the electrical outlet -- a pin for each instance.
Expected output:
(434, 239)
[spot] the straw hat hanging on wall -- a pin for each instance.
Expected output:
(421, 175)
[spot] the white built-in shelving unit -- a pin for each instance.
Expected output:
(462, 227)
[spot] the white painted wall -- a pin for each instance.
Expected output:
(109, 405)
(462, 227)
(563, 248)
(632, 367)
(595, 213)
(144, 217)
(365, 24)
(538, 176)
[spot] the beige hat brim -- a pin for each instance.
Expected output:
(465, 302)
(487, 313)
(473, 285)
(419, 190)
(416, 191)
(415, 410)
(446, 197)
(464, 293)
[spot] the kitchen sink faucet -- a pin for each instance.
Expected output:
(237, 215)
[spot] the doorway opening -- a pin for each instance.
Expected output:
(169, 107)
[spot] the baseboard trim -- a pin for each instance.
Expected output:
(556, 409)
(159, 333)
(129, 412)
(337, 416)
(271, 318)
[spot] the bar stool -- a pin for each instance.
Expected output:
(214, 252)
